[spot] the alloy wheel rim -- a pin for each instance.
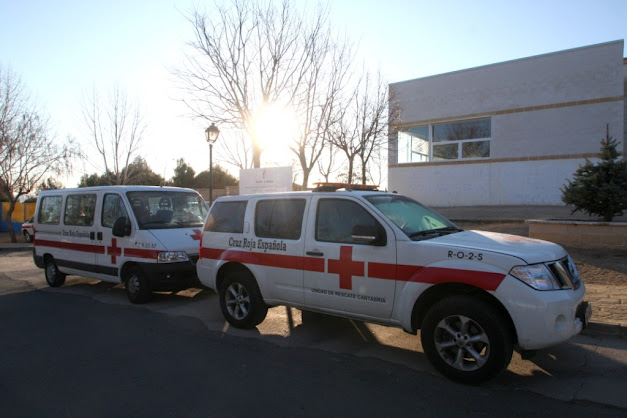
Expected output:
(462, 343)
(237, 301)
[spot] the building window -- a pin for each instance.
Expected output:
(460, 140)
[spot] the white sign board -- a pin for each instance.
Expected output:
(265, 180)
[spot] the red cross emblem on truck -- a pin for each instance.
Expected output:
(196, 235)
(346, 267)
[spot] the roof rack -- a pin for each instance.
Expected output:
(332, 187)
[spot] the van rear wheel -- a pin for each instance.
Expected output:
(137, 286)
(241, 301)
(53, 276)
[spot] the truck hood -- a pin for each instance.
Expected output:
(527, 249)
(184, 239)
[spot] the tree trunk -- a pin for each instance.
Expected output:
(10, 221)
(306, 177)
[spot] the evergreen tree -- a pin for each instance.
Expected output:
(600, 189)
(221, 179)
(183, 175)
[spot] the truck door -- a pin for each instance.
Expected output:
(356, 246)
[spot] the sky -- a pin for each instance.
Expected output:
(63, 49)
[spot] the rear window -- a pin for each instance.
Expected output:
(226, 217)
(279, 218)
(50, 210)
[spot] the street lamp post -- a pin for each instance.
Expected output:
(211, 133)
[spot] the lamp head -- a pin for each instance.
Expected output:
(212, 133)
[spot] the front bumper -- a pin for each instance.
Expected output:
(544, 318)
(171, 276)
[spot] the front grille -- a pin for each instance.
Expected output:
(566, 273)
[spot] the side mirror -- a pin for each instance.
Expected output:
(121, 227)
(369, 234)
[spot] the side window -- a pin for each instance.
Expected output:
(338, 219)
(79, 210)
(112, 209)
(226, 217)
(50, 210)
(279, 218)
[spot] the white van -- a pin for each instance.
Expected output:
(143, 236)
(385, 258)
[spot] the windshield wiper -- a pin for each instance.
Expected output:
(438, 231)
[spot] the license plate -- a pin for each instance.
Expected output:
(584, 312)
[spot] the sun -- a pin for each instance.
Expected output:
(276, 127)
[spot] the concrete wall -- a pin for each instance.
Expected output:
(604, 234)
(548, 114)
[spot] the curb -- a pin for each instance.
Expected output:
(603, 329)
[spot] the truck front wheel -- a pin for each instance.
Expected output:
(466, 339)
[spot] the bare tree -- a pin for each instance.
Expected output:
(363, 124)
(319, 102)
(249, 56)
(27, 151)
(327, 164)
(373, 117)
(238, 151)
(115, 128)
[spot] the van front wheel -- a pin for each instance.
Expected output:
(137, 286)
(53, 276)
(241, 301)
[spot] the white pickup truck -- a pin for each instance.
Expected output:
(385, 258)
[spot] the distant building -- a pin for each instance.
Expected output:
(508, 133)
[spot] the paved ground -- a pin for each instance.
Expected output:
(609, 301)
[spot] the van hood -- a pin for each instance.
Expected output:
(180, 239)
(527, 249)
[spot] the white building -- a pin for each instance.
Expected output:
(508, 133)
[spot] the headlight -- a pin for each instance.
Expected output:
(573, 270)
(172, 257)
(537, 276)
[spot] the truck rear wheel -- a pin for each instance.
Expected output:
(241, 301)
(466, 339)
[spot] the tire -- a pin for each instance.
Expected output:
(466, 339)
(137, 286)
(53, 276)
(28, 237)
(241, 301)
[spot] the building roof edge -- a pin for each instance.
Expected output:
(618, 41)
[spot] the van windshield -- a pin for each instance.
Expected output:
(162, 209)
(417, 221)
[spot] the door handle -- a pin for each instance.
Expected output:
(92, 235)
(99, 235)
(315, 253)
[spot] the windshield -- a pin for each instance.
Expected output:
(415, 220)
(162, 209)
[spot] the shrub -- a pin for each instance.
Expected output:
(599, 189)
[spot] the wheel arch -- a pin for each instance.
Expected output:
(126, 268)
(232, 267)
(438, 292)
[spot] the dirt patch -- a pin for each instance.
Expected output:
(598, 265)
